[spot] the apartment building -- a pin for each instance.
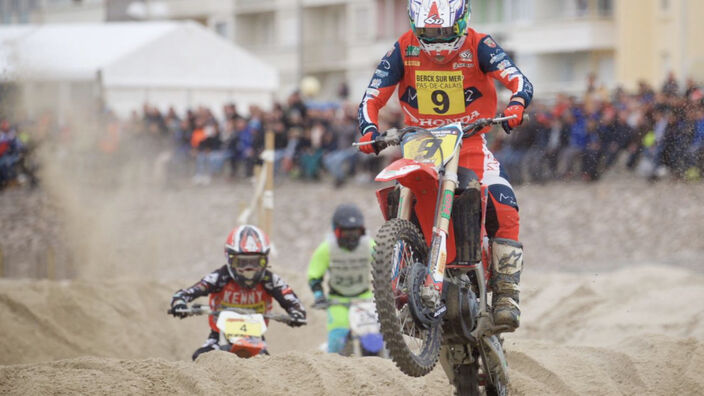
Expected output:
(557, 43)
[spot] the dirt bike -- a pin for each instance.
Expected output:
(430, 293)
(243, 329)
(364, 338)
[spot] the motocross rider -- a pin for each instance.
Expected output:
(244, 282)
(346, 253)
(444, 71)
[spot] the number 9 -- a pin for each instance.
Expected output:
(442, 99)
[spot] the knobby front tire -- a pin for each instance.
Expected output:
(414, 349)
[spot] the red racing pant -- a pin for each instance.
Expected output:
(502, 219)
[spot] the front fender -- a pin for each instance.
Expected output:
(409, 173)
(423, 180)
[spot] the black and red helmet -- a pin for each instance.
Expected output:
(348, 225)
(246, 250)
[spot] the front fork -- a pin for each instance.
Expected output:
(431, 292)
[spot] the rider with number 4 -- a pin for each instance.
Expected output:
(445, 73)
(244, 282)
(346, 255)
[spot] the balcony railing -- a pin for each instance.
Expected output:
(246, 6)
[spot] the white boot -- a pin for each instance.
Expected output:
(506, 266)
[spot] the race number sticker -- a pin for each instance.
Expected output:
(435, 148)
(243, 328)
(440, 92)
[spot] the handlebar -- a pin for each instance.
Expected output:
(200, 309)
(393, 137)
(332, 301)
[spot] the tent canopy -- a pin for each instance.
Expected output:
(172, 55)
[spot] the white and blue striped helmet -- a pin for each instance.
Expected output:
(440, 26)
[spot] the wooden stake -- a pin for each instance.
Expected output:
(258, 209)
(268, 196)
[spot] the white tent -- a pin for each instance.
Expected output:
(163, 63)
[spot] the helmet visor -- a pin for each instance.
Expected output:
(351, 233)
(348, 238)
(248, 262)
(437, 35)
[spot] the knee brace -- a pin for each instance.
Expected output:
(466, 221)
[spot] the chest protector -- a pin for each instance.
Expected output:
(434, 95)
(349, 270)
(234, 295)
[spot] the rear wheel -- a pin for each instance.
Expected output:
(466, 379)
(398, 267)
(497, 389)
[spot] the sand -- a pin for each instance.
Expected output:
(611, 295)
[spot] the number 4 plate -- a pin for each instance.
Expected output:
(243, 327)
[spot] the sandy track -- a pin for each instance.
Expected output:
(584, 345)
(654, 365)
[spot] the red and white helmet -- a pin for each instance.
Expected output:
(247, 239)
(246, 250)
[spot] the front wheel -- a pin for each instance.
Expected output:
(399, 254)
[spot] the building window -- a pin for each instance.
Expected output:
(582, 8)
(255, 31)
(362, 22)
(520, 10)
(487, 11)
(392, 18)
(606, 8)
(221, 28)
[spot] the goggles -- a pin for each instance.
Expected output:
(252, 262)
(437, 35)
(349, 232)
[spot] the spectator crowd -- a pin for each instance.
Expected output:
(653, 133)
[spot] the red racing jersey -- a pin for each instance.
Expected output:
(433, 94)
(223, 291)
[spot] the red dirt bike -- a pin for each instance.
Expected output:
(243, 329)
(431, 293)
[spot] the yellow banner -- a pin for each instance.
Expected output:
(440, 92)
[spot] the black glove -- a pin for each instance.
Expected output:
(298, 317)
(178, 303)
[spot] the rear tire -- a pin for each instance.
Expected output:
(414, 349)
(466, 380)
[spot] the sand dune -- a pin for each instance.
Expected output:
(575, 340)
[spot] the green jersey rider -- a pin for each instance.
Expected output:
(346, 254)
